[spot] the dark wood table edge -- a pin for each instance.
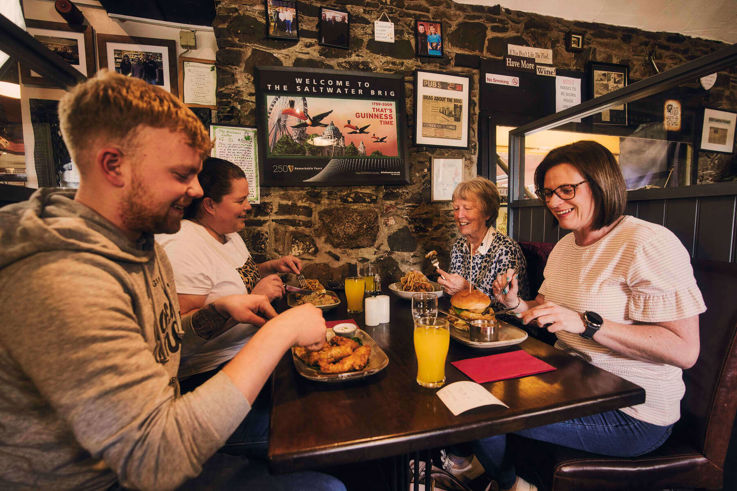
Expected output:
(407, 444)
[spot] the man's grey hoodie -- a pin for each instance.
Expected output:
(90, 342)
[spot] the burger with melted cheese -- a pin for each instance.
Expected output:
(471, 305)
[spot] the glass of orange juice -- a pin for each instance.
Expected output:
(354, 289)
(432, 338)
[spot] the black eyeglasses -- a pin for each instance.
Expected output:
(564, 191)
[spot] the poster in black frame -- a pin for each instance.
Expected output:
(335, 28)
(320, 127)
(442, 109)
(282, 19)
(604, 78)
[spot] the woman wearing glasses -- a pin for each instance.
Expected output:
(619, 289)
(481, 253)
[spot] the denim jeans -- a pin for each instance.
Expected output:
(237, 472)
(612, 433)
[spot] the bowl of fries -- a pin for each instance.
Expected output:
(415, 282)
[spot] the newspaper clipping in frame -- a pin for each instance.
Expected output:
(442, 109)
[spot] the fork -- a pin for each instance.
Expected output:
(433, 257)
(302, 281)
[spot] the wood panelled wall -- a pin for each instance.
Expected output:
(703, 217)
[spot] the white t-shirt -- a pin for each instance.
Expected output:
(639, 271)
(204, 266)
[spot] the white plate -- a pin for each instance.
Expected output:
(508, 336)
(397, 289)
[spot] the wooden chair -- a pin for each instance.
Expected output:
(694, 455)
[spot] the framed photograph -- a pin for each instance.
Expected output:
(153, 60)
(605, 78)
(574, 41)
(335, 28)
(319, 127)
(442, 109)
(238, 145)
(281, 19)
(198, 82)
(429, 38)
(75, 47)
(446, 175)
(717, 134)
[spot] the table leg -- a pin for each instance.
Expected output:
(428, 470)
(416, 472)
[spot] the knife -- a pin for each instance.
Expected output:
(294, 289)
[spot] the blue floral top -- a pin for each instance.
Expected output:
(496, 254)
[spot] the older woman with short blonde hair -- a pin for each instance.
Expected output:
(481, 253)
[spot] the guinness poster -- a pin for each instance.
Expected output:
(326, 127)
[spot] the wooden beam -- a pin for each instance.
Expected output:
(22, 46)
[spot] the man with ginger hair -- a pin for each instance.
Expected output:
(91, 332)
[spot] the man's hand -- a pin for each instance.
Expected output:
(272, 286)
(245, 308)
(305, 323)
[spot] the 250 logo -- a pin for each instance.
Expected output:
(282, 168)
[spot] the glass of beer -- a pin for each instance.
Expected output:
(354, 289)
(432, 338)
(367, 272)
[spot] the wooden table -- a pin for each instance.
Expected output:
(316, 424)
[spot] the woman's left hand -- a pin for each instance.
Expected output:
(554, 318)
(286, 264)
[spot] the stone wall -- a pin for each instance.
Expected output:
(331, 228)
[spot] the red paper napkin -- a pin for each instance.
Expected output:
(513, 364)
(330, 324)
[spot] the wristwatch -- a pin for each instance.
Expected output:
(593, 322)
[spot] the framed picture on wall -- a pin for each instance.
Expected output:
(352, 136)
(574, 41)
(335, 28)
(75, 47)
(442, 109)
(153, 60)
(447, 173)
(198, 82)
(717, 133)
(603, 79)
(281, 19)
(428, 38)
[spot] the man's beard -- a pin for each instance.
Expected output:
(138, 212)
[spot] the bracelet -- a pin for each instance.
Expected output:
(519, 301)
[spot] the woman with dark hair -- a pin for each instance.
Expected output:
(481, 253)
(210, 260)
(618, 289)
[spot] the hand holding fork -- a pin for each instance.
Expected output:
(506, 289)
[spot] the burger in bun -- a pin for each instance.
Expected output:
(470, 305)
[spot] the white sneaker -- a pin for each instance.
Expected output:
(521, 485)
(467, 470)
